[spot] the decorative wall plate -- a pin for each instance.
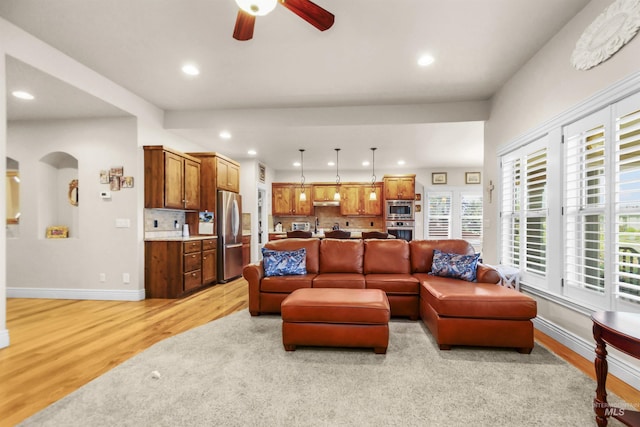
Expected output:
(610, 31)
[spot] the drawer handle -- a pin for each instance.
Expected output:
(193, 274)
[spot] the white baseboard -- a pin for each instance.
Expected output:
(81, 294)
(4, 338)
(618, 367)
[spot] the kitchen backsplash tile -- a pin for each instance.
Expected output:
(330, 215)
(166, 221)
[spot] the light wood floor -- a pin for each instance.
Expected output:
(57, 346)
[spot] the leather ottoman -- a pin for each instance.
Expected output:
(477, 314)
(334, 317)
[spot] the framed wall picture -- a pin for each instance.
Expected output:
(439, 178)
(126, 182)
(472, 177)
(57, 232)
(262, 172)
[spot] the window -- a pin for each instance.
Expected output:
(585, 205)
(510, 215)
(570, 205)
(471, 219)
(455, 215)
(626, 258)
(524, 210)
(439, 215)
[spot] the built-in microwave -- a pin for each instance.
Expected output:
(399, 209)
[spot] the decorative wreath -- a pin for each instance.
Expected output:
(614, 28)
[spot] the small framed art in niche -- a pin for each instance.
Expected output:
(57, 232)
(262, 172)
(439, 178)
(472, 178)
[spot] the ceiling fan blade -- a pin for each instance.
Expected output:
(310, 12)
(244, 26)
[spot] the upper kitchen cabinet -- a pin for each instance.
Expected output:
(227, 174)
(399, 187)
(286, 200)
(324, 193)
(171, 179)
(216, 173)
(355, 200)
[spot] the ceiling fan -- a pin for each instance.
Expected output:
(305, 9)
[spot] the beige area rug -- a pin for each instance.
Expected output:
(234, 372)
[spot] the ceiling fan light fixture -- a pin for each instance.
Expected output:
(257, 7)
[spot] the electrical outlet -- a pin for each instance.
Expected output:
(125, 278)
(103, 277)
(155, 223)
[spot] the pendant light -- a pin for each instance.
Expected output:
(336, 196)
(372, 195)
(303, 196)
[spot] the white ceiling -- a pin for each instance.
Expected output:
(368, 58)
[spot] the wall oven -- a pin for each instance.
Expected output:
(399, 210)
(401, 229)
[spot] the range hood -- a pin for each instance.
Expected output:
(327, 203)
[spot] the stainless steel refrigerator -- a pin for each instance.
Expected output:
(229, 236)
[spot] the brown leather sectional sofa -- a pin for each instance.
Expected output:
(456, 312)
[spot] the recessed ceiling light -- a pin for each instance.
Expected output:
(22, 95)
(425, 60)
(331, 164)
(365, 163)
(296, 164)
(252, 152)
(190, 69)
(401, 162)
(225, 134)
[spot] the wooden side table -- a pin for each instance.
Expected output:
(622, 331)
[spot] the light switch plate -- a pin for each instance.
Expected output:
(123, 223)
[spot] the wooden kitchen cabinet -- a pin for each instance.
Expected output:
(216, 173)
(354, 200)
(227, 174)
(323, 193)
(174, 268)
(285, 200)
(246, 250)
(209, 261)
(171, 179)
(399, 187)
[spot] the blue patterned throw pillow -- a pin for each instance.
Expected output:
(284, 263)
(454, 265)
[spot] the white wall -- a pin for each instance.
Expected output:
(249, 187)
(545, 87)
(72, 266)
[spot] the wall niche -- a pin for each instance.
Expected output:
(58, 203)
